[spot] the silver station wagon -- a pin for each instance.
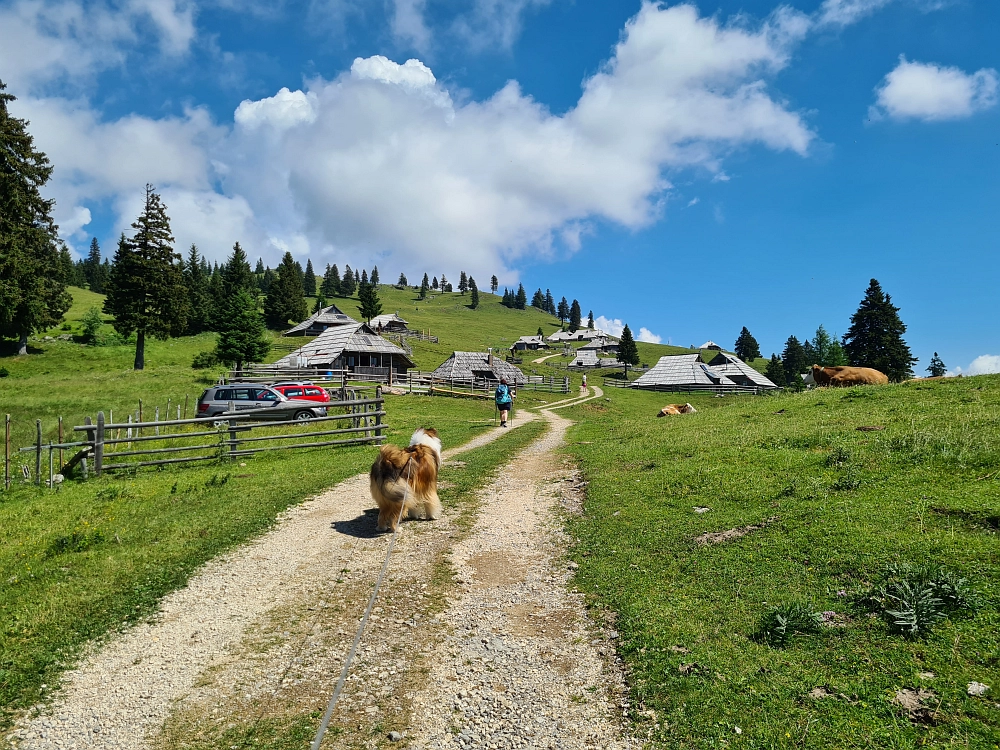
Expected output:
(264, 401)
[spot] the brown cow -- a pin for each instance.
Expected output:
(671, 409)
(845, 376)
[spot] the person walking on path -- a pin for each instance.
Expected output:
(504, 398)
(584, 386)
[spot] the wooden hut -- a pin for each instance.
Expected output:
(479, 365)
(389, 323)
(315, 324)
(356, 348)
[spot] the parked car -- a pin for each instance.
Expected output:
(305, 391)
(264, 401)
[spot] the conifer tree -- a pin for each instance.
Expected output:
(628, 352)
(590, 320)
(746, 347)
(937, 368)
(402, 281)
(538, 299)
(348, 284)
(444, 283)
(67, 269)
(540, 332)
(575, 315)
(331, 281)
(424, 287)
(374, 279)
(196, 282)
(562, 312)
(259, 270)
(371, 305)
(95, 272)
(364, 280)
(267, 280)
(285, 301)
(505, 299)
(309, 279)
(145, 292)
(320, 303)
(775, 371)
(215, 293)
(550, 303)
(475, 293)
(521, 300)
(32, 295)
(244, 339)
(236, 277)
(794, 361)
(434, 284)
(875, 338)
(463, 283)
(494, 284)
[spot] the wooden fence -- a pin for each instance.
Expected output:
(109, 446)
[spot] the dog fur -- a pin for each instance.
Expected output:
(419, 462)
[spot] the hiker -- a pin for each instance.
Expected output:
(504, 398)
(584, 386)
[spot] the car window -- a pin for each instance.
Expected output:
(264, 394)
(314, 391)
(293, 392)
(224, 394)
(242, 394)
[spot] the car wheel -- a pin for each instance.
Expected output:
(303, 416)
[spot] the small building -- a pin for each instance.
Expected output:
(585, 359)
(739, 371)
(581, 334)
(316, 323)
(356, 348)
(689, 372)
(711, 345)
(389, 323)
(479, 365)
(603, 345)
(530, 343)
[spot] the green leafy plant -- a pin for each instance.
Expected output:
(4, 372)
(778, 626)
(912, 599)
(204, 360)
(92, 321)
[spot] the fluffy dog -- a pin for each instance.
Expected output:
(404, 480)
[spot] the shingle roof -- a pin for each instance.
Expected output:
(328, 316)
(582, 334)
(682, 369)
(739, 371)
(461, 365)
(531, 339)
(325, 348)
(386, 319)
(598, 343)
(585, 358)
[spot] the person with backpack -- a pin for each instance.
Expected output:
(504, 398)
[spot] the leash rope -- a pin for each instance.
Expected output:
(364, 621)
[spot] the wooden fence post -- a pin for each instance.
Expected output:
(139, 418)
(50, 465)
(378, 415)
(185, 406)
(60, 441)
(90, 438)
(232, 442)
(6, 453)
(38, 451)
(99, 445)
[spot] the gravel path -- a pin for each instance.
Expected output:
(255, 642)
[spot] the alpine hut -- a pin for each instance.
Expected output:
(389, 323)
(466, 366)
(356, 348)
(689, 372)
(316, 323)
(581, 334)
(530, 343)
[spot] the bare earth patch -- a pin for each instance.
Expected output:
(718, 537)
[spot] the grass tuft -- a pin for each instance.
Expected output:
(778, 626)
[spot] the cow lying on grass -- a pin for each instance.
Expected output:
(671, 409)
(844, 376)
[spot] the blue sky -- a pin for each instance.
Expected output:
(685, 168)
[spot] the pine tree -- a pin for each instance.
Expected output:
(32, 296)
(402, 284)
(424, 287)
(216, 295)
(794, 361)
(331, 281)
(309, 279)
(93, 269)
(937, 368)
(746, 347)
(628, 352)
(267, 280)
(521, 300)
(320, 303)
(146, 293)
(364, 280)
(259, 270)
(463, 282)
(444, 283)
(505, 299)
(434, 284)
(575, 315)
(348, 284)
(540, 332)
(775, 371)
(590, 320)
(562, 312)
(244, 339)
(550, 303)
(374, 279)
(875, 338)
(475, 293)
(196, 283)
(371, 305)
(538, 299)
(67, 269)
(285, 301)
(236, 277)
(494, 284)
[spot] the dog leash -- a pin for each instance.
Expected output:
(364, 621)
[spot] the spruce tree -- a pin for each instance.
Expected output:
(550, 303)
(244, 339)
(746, 347)
(444, 283)
(285, 301)
(937, 368)
(402, 284)
(309, 279)
(590, 320)
(538, 299)
(236, 277)
(494, 284)
(463, 283)
(93, 268)
(67, 269)
(374, 279)
(562, 312)
(320, 303)
(424, 287)
(875, 338)
(266, 280)
(794, 361)
(331, 281)
(540, 332)
(434, 284)
(371, 305)
(475, 293)
(216, 294)
(32, 295)
(521, 300)
(505, 300)
(775, 371)
(628, 352)
(146, 293)
(259, 270)
(575, 315)
(348, 284)
(196, 283)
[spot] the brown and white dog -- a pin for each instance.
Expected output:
(404, 480)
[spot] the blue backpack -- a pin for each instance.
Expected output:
(502, 395)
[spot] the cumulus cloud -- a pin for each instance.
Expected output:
(648, 336)
(925, 91)
(984, 364)
(381, 162)
(615, 326)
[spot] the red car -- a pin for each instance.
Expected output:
(302, 391)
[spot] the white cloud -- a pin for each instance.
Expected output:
(494, 23)
(985, 364)
(614, 326)
(847, 12)
(925, 91)
(693, 202)
(284, 110)
(648, 336)
(408, 23)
